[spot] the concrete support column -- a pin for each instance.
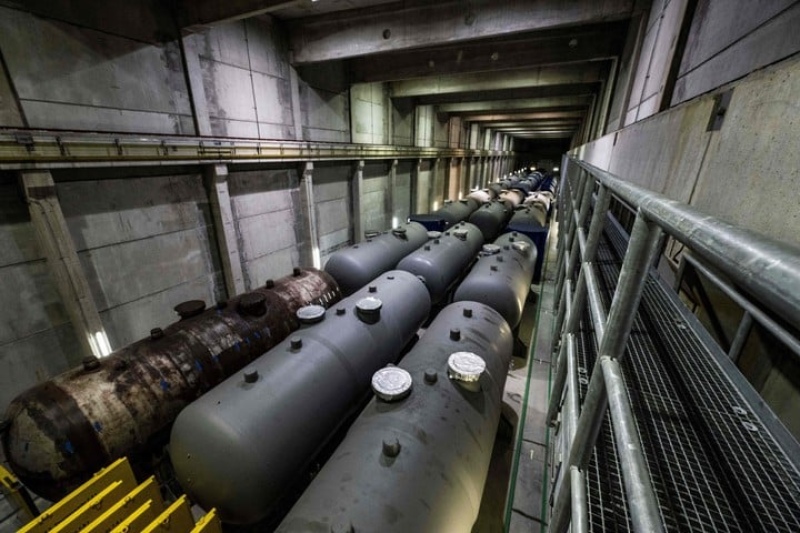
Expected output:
(356, 186)
(58, 247)
(414, 186)
(446, 164)
(432, 184)
(310, 253)
(194, 76)
(297, 117)
(390, 196)
(227, 240)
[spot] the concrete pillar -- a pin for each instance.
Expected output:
(58, 247)
(227, 240)
(297, 116)
(446, 164)
(310, 254)
(414, 185)
(432, 184)
(194, 75)
(356, 186)
(390, 196)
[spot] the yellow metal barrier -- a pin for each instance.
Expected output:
(147, 491)
(111, 502)
(208, 524)
(176, 519)
(14, 491)
(119, 471)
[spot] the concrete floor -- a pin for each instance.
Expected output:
(524, 481)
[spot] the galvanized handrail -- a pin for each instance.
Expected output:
(768, 270)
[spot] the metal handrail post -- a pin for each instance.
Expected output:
(642, 503)
(638, 258)
(580, 501)
(579, 296)
(568, 228)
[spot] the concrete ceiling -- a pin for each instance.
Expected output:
(531, 69)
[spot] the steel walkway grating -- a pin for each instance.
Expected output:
(714, 466)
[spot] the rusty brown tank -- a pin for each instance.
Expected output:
(59, 432)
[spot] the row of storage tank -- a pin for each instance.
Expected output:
(257, 386)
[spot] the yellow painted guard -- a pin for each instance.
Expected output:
(176, 519)
(209, 523)
(119, 471)
(140, 518)
(122, 509)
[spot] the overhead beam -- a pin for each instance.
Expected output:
(409, 25)
(568, 89)
(526, 104)
(545, 135)
(593, 72)
(194, 14)
(540, 115)
(568, 45)
(523, 124)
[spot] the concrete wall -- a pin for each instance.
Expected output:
(376, 197)
(72, 76)
(441, 131)
(36, 338)
(246, 79)
(728, 40)
(370, 111)
(658, 49)
(333, 206)
(403, 117)
(146, 244)
(324, 103)
(264, 204)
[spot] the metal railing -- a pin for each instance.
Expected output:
(767, 270)
(29, 149)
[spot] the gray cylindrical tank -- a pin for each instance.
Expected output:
(239, 446)
(541, 198)
(419, 464)
(357, 265)
(454, 212)
(515, 196)
(491, 218)
(495, 188)
(533, 213)
(443, 260)
(502, 277)
(483, 195)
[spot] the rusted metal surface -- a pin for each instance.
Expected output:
(62, 430)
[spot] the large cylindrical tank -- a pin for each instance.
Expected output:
(419, 463)
(491, 218)
(502, 276)
(359, 264)
(239, 446)
(495, 188)
(442, 261)
(483, 196)
(514, 196)
(65, 429)
(524, 185)
(531, 221)
(449, 214)
(543, 199)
